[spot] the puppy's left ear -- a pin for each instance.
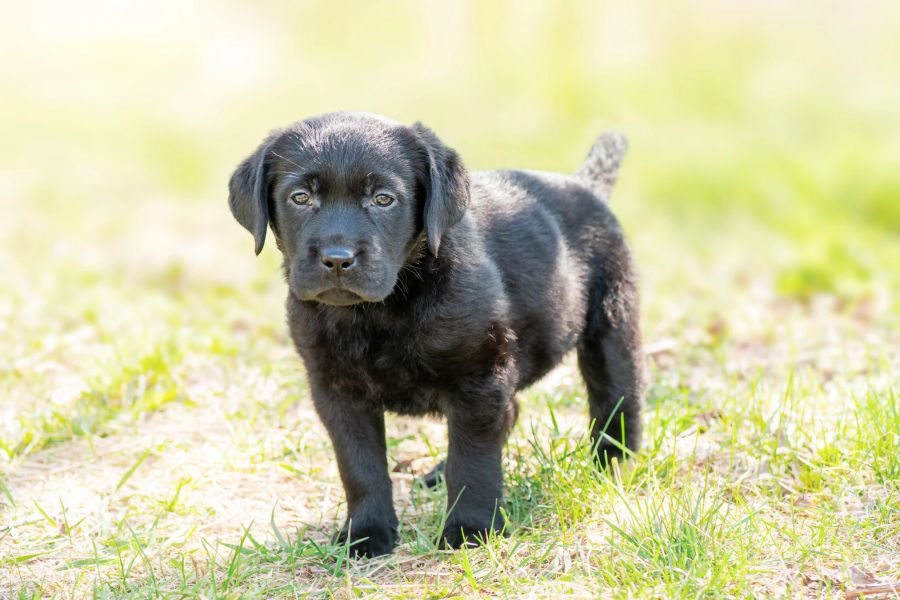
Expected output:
(248, 195)
(446, 187)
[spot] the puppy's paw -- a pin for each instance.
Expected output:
(433, 478)
(611, 456)
(470, 535)
(607, 456)
(367, 541)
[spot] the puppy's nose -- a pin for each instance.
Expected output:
(337, 258)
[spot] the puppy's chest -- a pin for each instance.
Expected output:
(390, 367)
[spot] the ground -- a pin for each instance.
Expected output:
(156, 432)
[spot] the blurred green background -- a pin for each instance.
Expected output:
(771, 128)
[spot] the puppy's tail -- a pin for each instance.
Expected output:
(600, 170)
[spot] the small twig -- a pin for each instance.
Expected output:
(660, 346)
(891, 587)
(12, 526)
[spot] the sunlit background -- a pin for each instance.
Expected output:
(121, 118)
(761, 189)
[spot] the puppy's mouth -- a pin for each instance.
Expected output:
(313, 286)
(339, 297)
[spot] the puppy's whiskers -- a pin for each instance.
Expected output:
(414, 270)
(401, 285)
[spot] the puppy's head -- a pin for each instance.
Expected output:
(349, 197)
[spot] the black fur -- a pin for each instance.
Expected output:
(446, 300)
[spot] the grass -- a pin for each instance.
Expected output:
(156, 436)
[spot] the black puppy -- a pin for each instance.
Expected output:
(417, 290)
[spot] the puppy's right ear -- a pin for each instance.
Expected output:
(248, 195)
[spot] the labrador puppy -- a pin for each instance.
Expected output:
(419, 288)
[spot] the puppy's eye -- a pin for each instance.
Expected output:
(383, 200)
(301, 198)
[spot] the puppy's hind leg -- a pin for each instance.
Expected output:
(610, 361)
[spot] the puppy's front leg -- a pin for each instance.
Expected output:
(357, 433)
(474, 475)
